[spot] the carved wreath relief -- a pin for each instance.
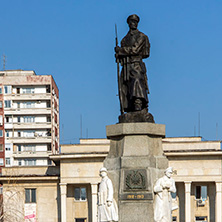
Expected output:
(135, 180)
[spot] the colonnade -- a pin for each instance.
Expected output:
(218, 205)
(187, 184)
(63, 193)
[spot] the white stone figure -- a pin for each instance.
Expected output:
(107, 207)
(163, 200)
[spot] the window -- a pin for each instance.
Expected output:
(0, 104)
(48, 133)
(49, 148)
(1, 147)
(19, 162)
(1, 133)
(1, 162)
(30, 195)
(201, 192)
(80, 193)
(201, 219)
(49, 119)
(48, 104)
(47, 88)
(8, 104)
(28, 90)
(7, 89)
(29, 119)
(18, 105)
(7, 133)
(174, 218)
(0, 90)
(29, 148)
(1, 120)
(19, 148)
(1, 190)
(19, 133)
(28, 104)
(49, 162)
(30, 162)
(19, 119)
(80, 220)
(7, 161)
(7, 119)
(18, 90)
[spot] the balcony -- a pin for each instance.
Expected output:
(38, 125)
(30, 140)
(31, 154)
(27, 111)
(30, 96)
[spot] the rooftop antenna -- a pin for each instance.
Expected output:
(199, 123)
(4, 61)
(81, 126)
(216, 131)
(62, 133)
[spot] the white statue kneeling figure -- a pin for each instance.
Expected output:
(107, 207)
(163, 200)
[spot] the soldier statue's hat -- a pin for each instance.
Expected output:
(103, 169)
(133, 17)
(169, 169)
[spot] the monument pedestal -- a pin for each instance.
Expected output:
(135, 161)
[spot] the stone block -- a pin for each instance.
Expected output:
(122, 129)
(155, 146)
(162, 162)
(112, 163)
(136, 162)
(136, 211)
(136, 145)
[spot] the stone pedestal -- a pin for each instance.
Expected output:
(135, 161)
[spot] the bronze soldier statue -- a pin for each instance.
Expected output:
(133, 87)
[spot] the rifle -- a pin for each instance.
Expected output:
(118, 77)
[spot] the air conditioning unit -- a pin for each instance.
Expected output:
(200, 203)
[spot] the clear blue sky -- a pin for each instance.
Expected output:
(73, 40)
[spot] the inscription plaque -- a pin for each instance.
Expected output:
(137, 196)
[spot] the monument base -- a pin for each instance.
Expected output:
(135, 161)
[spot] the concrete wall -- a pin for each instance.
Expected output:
(47, 206)
(80, 170)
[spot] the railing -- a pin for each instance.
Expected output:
(32, 152)
(28, 94)
(31, 137)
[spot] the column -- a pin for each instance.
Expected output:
(218, 207)
(94, 188)
(63, 192)
(187, 201)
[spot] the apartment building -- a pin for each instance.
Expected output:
(29, 118)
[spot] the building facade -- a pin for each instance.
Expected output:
(70, 188)
(29, 118)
